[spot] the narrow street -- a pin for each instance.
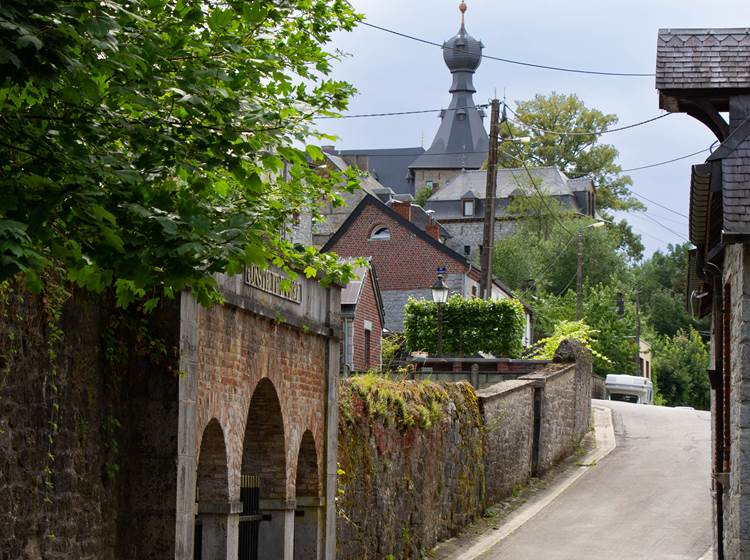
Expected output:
(649, 498)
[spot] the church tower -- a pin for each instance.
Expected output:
(461, 141)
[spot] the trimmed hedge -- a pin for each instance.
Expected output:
(469, 326)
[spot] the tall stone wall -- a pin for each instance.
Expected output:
(405, 485)
(508, 410)
(79, 455)
(736, 495)
(417, 466)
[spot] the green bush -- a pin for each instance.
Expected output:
(469, 326)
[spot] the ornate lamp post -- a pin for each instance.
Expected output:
(440, 296)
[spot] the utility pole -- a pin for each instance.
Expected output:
(485, 285)
(638, 331)
(579, 277)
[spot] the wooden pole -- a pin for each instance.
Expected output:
(488, 242)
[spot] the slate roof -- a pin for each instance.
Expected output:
(390, 166)
(366, 182)
(703, 58)
(461, 141)
(351, 293)
(550, 180)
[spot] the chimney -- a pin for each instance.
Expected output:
(433, 230)
(403, 207)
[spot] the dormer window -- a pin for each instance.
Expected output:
(381, 233)
(468, 207)
(468, 204)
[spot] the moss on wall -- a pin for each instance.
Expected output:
(411, 469)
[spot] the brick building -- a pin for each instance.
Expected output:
(362, 319)
(407, 257)
(704, 73)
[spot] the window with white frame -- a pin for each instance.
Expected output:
(468, 207)
(380, 232)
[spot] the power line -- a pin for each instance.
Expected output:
(508, 60)
(660, 205)
(581, 133)
(650, 165)
(654, 221)
(397, 113)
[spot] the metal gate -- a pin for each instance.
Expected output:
(250, 518)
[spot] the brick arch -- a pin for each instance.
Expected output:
(308, 479)
(264, 446)
(212, 476)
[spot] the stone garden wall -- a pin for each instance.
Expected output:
(82, 469)
(411, 469)
(419, 460)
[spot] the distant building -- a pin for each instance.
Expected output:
(321, 231)
(460, 204)
(407, 254)
(705, 73)
(461, 141)
(644, 359)
(362, 318)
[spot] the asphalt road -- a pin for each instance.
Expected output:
(649, 498)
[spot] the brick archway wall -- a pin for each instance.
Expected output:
(212, 477)
(307, 480)
(264, 449)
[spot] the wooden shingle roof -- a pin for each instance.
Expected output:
(703, 59)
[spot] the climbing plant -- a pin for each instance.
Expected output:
(148, 144)
(468, 326)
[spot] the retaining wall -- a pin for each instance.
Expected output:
(405, 489)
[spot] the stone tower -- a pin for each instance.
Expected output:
(461, 141)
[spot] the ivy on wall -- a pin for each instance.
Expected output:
(468, 326)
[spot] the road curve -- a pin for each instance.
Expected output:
(648, 499)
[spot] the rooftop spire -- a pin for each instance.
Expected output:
(462, 9)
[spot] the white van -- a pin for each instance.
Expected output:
(629, 388)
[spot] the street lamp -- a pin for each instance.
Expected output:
(579, 270)
(440, 296)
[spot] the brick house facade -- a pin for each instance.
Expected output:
(406, 257)
(362, 318)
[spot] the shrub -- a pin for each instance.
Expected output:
(469, 326)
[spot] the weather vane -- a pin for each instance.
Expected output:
(462, 8)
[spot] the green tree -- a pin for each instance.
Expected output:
(680, 365)
(423, 196)
(148, 144)
(662, 282)
(543, 252)
(577, 154)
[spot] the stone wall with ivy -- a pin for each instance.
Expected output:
(410, 465)
(79, 383)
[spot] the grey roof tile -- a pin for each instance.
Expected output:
(703, 58)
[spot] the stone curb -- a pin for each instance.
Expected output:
(605, 443)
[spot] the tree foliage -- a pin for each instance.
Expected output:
(576, 155)
(568, 330)
(662, 282)
(543, 252)
(469, 326)
(147, 144)
(680, 370)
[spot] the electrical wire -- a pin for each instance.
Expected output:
(650, 165)
(654, 221)
(508, 60)
(660, 205)
(398, 113)
(581, 133)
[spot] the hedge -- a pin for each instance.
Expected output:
(469, 326)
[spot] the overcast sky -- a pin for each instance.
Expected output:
(396, 74)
